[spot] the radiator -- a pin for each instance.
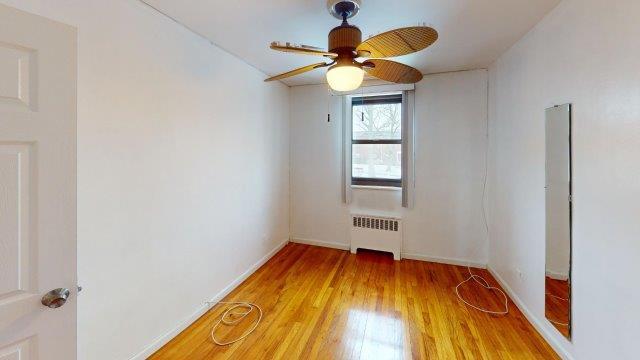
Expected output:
(376, 233)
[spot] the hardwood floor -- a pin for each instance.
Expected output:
(329, 304)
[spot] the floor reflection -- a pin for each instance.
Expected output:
(379, 336)
(557, 304)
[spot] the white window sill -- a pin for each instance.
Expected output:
(368, 187)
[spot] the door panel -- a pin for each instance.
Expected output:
(22, 350)
(16, 72)
(15, 259)
(37, 185)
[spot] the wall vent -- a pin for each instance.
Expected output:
(376, 223)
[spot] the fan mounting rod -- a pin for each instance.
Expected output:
(344, 9)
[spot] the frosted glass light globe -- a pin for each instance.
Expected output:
(345, 78)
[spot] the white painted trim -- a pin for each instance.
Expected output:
(376, 89)
(557, 275)
(445, 260)
(327, 244)
(375, 214)
(347, 114)
(543, 330)
(370, 187)
(162, 340)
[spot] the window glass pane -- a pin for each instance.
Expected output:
(377, 161)
(376, 122)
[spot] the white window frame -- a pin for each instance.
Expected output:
(408, 141)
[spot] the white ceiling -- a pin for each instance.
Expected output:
(473, 33)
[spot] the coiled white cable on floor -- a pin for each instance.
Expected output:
(478, 278)
(486, 285)
(229, 317)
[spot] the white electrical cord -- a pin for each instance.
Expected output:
(472, 276)
(231, 318)
(486, 285)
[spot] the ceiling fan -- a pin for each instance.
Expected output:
(351, 57)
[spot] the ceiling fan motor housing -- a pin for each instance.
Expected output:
(344, 39)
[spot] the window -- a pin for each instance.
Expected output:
(376, 144)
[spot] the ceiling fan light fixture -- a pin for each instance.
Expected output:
(345, 77)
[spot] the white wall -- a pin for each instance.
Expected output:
(182, 171)
(584, 52)
(450, 124)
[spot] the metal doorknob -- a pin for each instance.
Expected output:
(55, 298)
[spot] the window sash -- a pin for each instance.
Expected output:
(375, 100)
(359, 181)
(377, 142)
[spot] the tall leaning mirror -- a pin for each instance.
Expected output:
(558, 218)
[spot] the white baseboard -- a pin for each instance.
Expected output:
(557, 275)
(537, 323)
(162, 340)
(445, 260)
(327, 244)
(441, 260)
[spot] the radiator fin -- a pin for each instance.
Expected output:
(375, 223)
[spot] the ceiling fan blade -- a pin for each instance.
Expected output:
(392, 71)
(298, 71)
(301, 49)
(398, 42)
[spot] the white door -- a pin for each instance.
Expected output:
(37, 186)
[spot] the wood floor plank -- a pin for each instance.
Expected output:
(324, 303)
